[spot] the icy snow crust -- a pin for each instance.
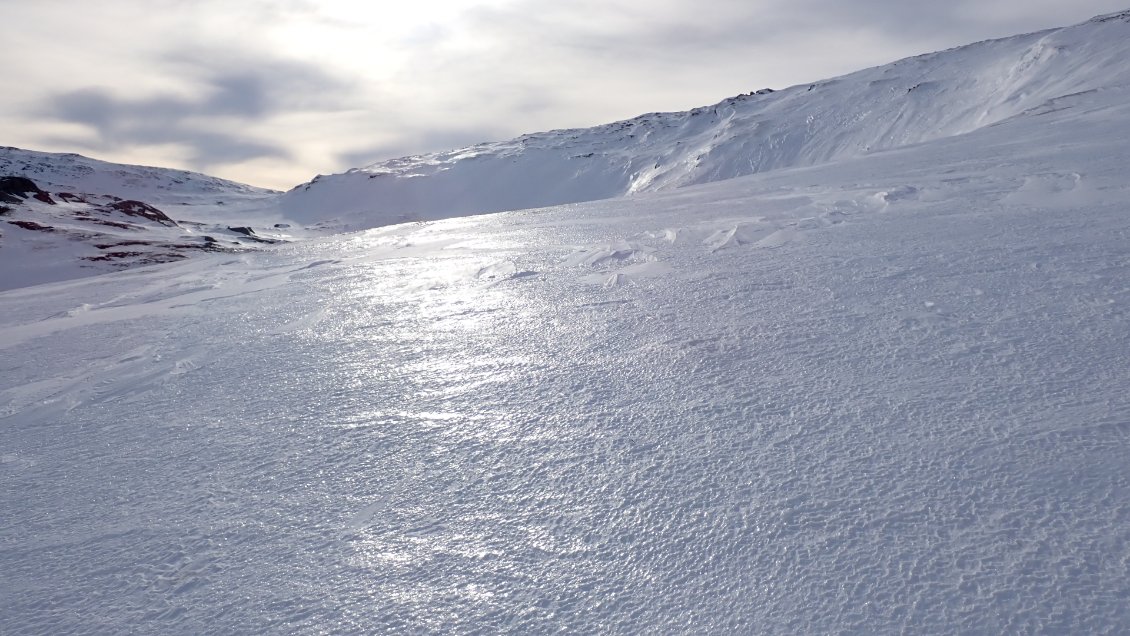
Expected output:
(886, 395)
(915, 100)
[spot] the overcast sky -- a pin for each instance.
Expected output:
(272, 92)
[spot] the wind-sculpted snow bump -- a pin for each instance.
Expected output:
(735, 236)
(303, 323)
(1056, 189)
(901, 193)
(779, 238)
(188, 365)
(631, 274)
(320, 263)
(609, 253)
(360, 520)
(16, 461)
(497, 271)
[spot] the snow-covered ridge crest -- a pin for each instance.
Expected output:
(914, 100)
(1117, 15)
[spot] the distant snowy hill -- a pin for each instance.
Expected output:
(914, 100)
(65, 216)
(76, 173)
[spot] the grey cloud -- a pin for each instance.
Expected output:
(211, 148)
(680, 29)
(160, 120)
(254, 86)
(258, 89)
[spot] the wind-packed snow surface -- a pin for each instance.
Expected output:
(885, 395)
(919, 99)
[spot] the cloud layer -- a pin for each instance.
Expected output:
(272, 92)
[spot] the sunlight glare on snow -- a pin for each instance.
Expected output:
(469, 293)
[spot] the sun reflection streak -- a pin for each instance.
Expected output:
(449, 424)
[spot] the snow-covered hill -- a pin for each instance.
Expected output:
(66, 216)
(67, 172)
(911, 101)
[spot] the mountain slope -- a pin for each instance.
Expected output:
(75, 173)
(911, 101)
(65, 216)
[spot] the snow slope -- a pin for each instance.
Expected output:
(66, 172)
(882, 395)
(66, 216)
(911, 101)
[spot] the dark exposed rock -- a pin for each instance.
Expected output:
(207, 247)
(84, 216)
(106, 246)
(143, 210)
(117, 224)
(18, 186)
(1121, 15)
(122, 260)
(111, 256)
(210, 244)
(32, 225)
(18, 189)
(250, 233)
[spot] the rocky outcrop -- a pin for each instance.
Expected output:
(143, 210)
(20, 189)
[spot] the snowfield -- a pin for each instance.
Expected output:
(884, 394)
